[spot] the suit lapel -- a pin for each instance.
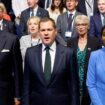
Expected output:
(2, 40)
(98, 22)
(40, 70)
(27, 15)
(38, 12)
(65, 19)
(4, 25)
(58, 61)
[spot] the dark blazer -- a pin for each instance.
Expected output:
(92, 44)
(10, 68)
(81, 7)
(25, 16)
(96, 26)
(8, 26)
(41, 3)
(62, 25)
(63, 86)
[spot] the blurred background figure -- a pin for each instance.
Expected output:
(5, 15)
(83, 46)
(45, 3)
(33, 10)
(95, 76)
(65, 21)
(11, 73)
(56, 8)
(98, 21)
(32, 38)
(5, 23)
(87, 7)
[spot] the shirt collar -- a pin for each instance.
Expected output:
(1, 21)
(35, 9)
(71, 12)
(52, 47)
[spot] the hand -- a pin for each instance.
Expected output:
(16, 101)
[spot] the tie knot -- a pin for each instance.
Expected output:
(70, 15)
(47, 48)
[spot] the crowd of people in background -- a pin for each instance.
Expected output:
(52, 52)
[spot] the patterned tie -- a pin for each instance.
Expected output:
(47, 66)
(70, 22)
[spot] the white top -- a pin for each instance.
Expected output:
(18, 6)
(26, 42)
(89, 7)
(54, 15)
(52, 51)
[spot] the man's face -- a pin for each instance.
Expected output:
(32, 3)
(71, 5)
(47, 33)
(101, 6)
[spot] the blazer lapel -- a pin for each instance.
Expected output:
(2, 41)
(4, 25)
(58, 61)
(38, 12)
(40, 73)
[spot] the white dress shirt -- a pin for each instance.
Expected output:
(89, 7)
(1, 24)
(52, 51)
(35, 11)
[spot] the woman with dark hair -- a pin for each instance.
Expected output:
(56, 9)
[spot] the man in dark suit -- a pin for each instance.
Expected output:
(33, 10)
(87, 8)
(10, 69)
(50, 76)
(98, 21)
(65, 22)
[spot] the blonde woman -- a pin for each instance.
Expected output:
(33, 38)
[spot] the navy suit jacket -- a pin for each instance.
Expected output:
(81, 7)
(41, 3)
(25, 16)
(10, 68)
(63, 86)
(8, 26)
(95, 26)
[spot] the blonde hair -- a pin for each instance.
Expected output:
(34, 18)
(2, 6)
(83, 18)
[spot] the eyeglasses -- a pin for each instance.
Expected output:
(83, 24)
